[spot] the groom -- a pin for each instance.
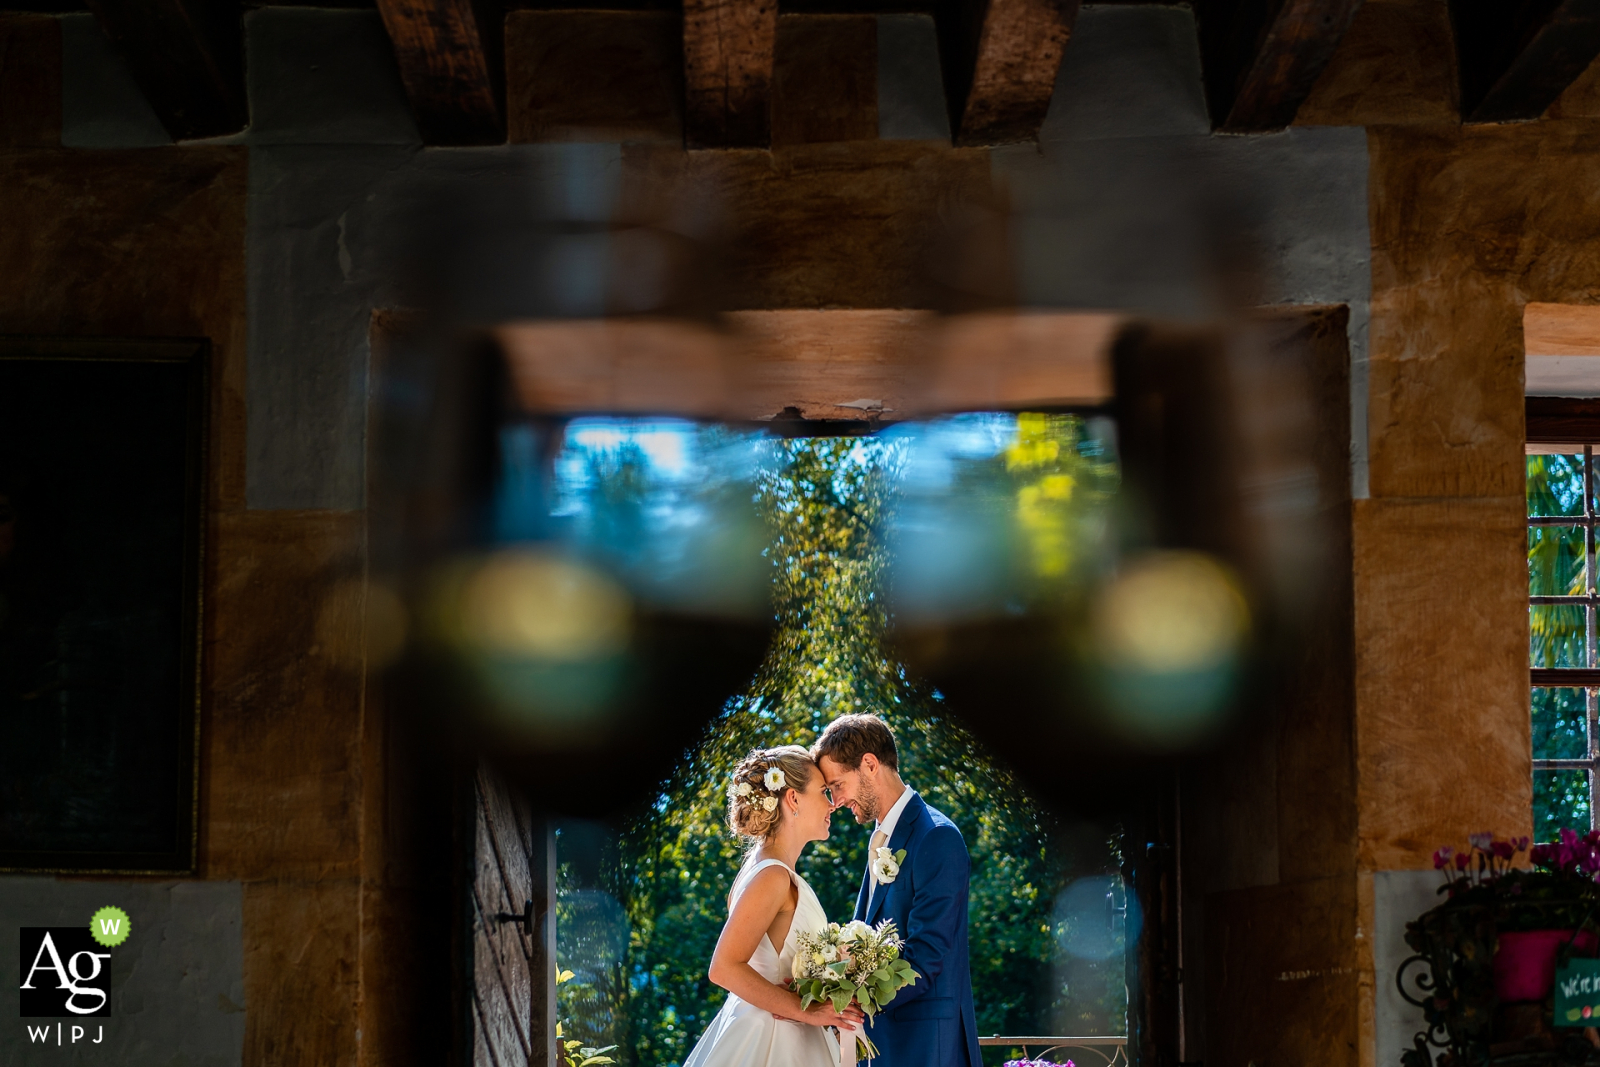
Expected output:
(930, 1023)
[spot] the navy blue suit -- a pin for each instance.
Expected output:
(930, 1023)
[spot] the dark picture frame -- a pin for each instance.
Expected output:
(103, 476)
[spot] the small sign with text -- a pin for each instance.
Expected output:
(1578, 994)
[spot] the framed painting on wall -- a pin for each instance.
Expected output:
(102, 533)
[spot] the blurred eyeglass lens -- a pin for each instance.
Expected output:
(1171, 612)
(663, 505)
(999, 512)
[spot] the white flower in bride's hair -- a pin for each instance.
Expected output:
(743, 789)
(774, 780)
(769, 802)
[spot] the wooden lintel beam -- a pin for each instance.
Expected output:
(1515, 58)
(1261, 58)
(187, 56)
(1000, 59)
(452, 62)
(729, 50)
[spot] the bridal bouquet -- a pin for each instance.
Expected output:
(851, 962)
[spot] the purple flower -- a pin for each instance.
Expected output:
(1520, 843)
(1481, 842)
(1442, 857)
(1502, 849)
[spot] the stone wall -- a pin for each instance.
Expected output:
(274, 246)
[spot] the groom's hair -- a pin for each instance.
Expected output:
(849, 737)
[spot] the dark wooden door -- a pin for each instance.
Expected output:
(513, 958)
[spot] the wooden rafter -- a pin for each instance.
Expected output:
(188, 58)
(1000, 59)
(729, 49)
(1262, 58)
(1515, 58)
(452, 61)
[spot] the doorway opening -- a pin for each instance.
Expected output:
(856, 532)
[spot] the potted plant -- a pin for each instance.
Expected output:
(1486, 956)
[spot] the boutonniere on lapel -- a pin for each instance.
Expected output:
(886, 864)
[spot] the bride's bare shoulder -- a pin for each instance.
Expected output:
(766, 888)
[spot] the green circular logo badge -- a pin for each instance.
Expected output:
(110, 926)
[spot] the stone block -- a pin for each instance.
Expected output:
(324, 77)
(911, 104)
(1129, 71)
(594, 76)
(1282, 974)
(136, 243)
(847, 224)
(101, 105)
(283, 727)
(1468, 225)
(1441, 675)
(30, 81)
(302, 972)
(1394, 65)
(825, 79)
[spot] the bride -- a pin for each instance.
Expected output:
(776, 801)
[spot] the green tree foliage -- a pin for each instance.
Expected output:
(826, 501)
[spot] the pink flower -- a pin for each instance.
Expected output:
(1543, 855)
(1462, 860)
(1442, 857)
(1503, 849)
(1481, 842)
(1520, 843)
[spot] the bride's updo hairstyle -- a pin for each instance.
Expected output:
(759, 782)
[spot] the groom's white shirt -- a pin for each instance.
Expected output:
(886, 827)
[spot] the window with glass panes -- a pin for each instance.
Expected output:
(1563, 492)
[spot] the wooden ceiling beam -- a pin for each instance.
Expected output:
(1261, 57)
(729, 51)
(1000, 59)
(187, 56)
(452, 62)
(1515, 56)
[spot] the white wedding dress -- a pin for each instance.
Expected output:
(743, 1035)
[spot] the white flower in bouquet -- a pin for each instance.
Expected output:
(869, 971)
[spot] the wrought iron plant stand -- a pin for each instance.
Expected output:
(1451, 977)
